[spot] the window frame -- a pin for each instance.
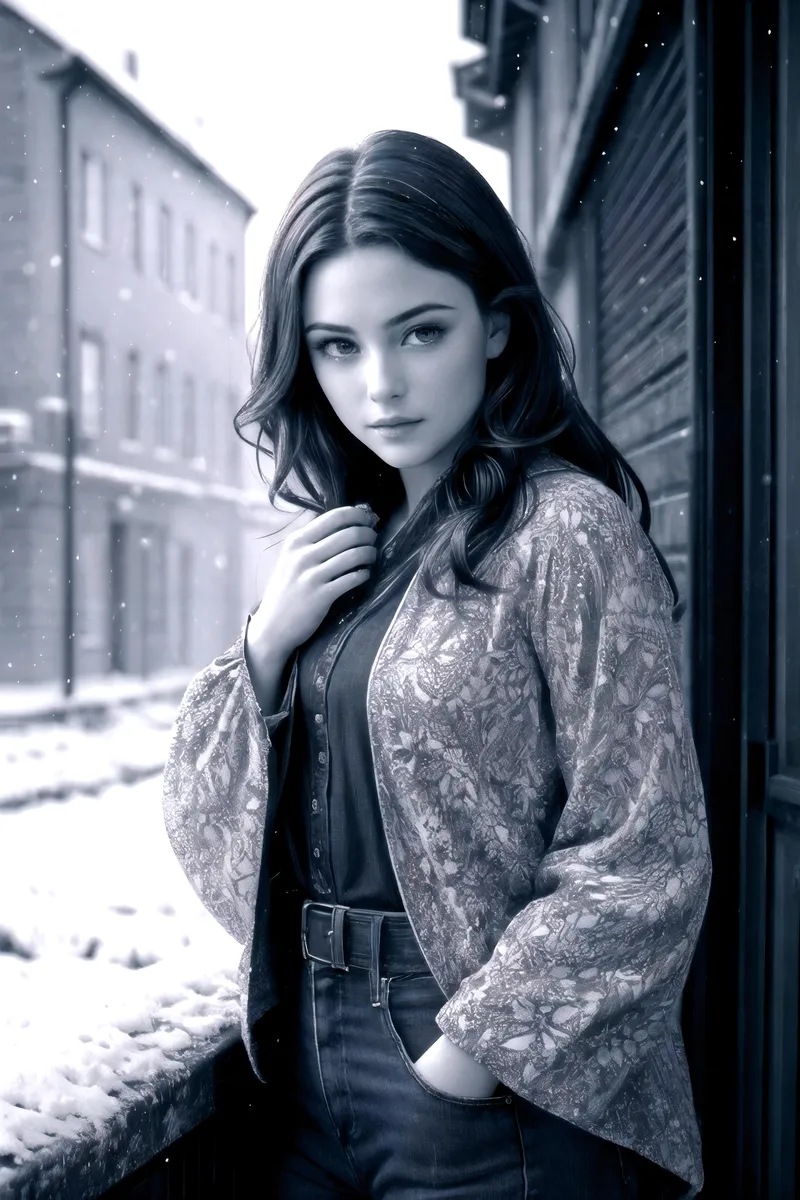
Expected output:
(97, 239)
(231, 284)
(163, 404)
(136, 206)
(190, 260)
(91, 428)
(232, 468)
(213, 278)
(165, 239)
(89, 611)
(189, 447)
(133, 396)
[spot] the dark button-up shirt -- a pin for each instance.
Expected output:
(329, 799)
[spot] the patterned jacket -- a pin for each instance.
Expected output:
(543, 807)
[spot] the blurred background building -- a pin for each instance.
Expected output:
(655, 170)
(122, 320)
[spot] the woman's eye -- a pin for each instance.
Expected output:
(340, 348)
(424, 331)
(326, 347)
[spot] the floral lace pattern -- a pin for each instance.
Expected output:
(543, 807)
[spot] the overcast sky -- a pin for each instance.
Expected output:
(278, 83)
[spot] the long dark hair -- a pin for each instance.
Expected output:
(422, 197)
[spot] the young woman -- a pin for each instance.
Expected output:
(443, 788)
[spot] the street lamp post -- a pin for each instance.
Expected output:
(69, 550)
(70, 75)
(61, 407)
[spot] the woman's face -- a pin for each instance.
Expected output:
(389, 337)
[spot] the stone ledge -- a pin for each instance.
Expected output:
(152, 1115)
(103, 1068)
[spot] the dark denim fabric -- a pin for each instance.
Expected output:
(359, 1121)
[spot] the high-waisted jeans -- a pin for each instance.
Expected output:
(357, 1119)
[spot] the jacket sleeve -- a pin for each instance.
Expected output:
(587, 975)
(221, 766)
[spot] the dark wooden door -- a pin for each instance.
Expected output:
(119, 613)
(185, 607)
(153, 592)
(781, 1108)
(769, 909)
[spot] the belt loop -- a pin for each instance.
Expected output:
(337, 937)
(375, 960)
(304, 927)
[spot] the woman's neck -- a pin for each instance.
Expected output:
(392, 524)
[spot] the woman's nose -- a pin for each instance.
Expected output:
(383, 378)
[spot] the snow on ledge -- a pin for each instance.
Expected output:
(62, 1082)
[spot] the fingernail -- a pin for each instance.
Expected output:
(369, 510)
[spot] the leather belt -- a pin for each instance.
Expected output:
(382, 943)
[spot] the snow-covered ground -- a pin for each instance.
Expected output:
(116, 962)
(95, 877)
(51, 758)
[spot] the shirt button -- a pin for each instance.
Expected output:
(322, 756)
(318, 718)
(316, 852)
(314, 805)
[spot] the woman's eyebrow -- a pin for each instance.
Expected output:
(398, 320)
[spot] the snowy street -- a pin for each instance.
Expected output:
(58, 758)
(108, 961)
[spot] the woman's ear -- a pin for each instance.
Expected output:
(498, 329)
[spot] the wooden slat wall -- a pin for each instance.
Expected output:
(644, 401)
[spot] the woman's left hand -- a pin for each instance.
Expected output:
(448, 1068)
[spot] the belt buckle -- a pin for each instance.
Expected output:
(329, 962)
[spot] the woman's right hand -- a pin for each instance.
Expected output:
(318, 563)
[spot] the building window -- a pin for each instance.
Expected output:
(119, 595)
(149, 563)
(93, 199)
(216, 424)
(213, 281)
(163, 402)
(232, 440)
(154, 545)
(90, 614)
(165, 245)
(231, 289)
(190, 260)
(133, 397)
(91, 385)
(137, 227)
(188, 419)
(186, 614)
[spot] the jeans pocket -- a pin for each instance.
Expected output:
(409, 1004)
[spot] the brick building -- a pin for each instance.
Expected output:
(654, 154)
(121, 252)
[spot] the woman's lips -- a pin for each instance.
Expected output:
(396, 430)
